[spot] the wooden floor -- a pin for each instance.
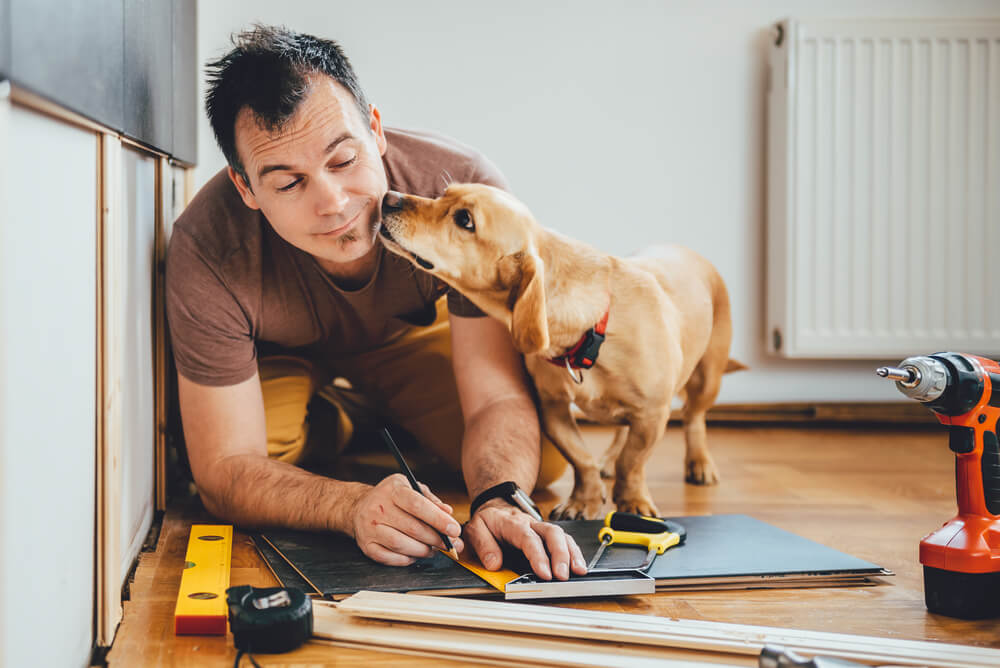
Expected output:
(872, 492)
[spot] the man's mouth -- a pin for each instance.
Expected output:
(342, 228)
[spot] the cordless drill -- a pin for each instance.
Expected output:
(962, 559)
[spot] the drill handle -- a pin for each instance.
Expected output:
(977, 469)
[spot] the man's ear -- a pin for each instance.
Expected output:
(377, 129)
(529, 326)
(248, 197)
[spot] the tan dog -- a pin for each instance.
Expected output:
(668, 329)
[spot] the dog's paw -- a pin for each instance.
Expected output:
(700, 472)
(578, 509)
(639, 505)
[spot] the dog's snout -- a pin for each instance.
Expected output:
(393, 201)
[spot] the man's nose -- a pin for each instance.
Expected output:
(333, 198)
(393, 201)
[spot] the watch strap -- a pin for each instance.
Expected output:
(509, 492)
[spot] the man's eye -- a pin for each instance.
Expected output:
(346, 163)
(463, 219)
(291, 185)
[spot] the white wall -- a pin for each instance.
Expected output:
(48, 408)
(618, 123)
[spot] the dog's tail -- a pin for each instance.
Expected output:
(733, 365)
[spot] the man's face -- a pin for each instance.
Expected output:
(320, 181)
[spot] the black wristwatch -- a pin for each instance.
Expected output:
(512, 494)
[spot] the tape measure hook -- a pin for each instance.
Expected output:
(280, 599)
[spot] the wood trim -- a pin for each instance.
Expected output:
(648, 630)
(894, 412)
(25, 98)
(833, 412)
(163, 207)
(100, 555)
(181, 164)
(110, 354)
(146, 148)
(30, 100)
(189, 190)
(173, 176)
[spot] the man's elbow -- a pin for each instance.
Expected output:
(216, 489)
(215, 507)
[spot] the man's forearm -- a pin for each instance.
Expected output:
(501, 442)
(254, 491)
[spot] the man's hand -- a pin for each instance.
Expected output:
(394, 525)
(548, 548)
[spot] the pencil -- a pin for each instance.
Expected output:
(387, 437)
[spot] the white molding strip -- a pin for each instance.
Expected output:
(658, 631)
(110, 419)
(466, 645)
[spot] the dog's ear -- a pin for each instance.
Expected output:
(529, 324)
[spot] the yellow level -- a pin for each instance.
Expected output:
(201, 603)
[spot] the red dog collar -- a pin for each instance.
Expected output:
(584, 353)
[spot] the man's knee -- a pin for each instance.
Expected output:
(288, 384)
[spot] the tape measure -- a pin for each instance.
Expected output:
(270, 619)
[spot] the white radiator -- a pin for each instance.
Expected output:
(883, 221)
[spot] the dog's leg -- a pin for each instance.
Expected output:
(702, 388)
(588, 497)
(611, 454)
(631, 493)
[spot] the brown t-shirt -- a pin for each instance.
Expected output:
(236, 290)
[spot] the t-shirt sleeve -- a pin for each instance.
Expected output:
(211, 334)
(462, 307)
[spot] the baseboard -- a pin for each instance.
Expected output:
(888, 412)
(895, 412)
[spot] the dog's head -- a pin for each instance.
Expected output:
(481, 241)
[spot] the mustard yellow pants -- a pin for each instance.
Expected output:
(411, 382)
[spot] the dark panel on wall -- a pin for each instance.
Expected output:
(4, 39)
(149, 72)
(70, 51)
(185, 88)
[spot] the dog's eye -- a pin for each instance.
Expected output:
(463, 219)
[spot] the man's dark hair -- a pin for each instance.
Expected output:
(268, 71)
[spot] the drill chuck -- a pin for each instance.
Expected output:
(921, 378)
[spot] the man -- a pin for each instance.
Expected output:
(276, 284)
